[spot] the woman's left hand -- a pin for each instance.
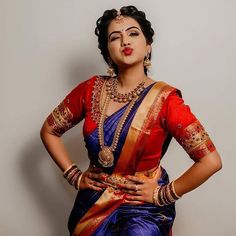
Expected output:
(139, 191)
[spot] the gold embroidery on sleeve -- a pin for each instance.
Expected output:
(96, 95)
(60, 119)
(196, 141)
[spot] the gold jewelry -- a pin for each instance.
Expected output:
(79, 180)
(111, 88)
(147, 63)
(105, 155)
(165, 195)
(110, 69)
(173, 189)
(119, 19)
(72, 165)
(72, 174)
(155, 196)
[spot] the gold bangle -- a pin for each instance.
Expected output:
(173, 188)
(72, 165)
(168, 192)
(156, 193)
(162, 196)
(78, 181)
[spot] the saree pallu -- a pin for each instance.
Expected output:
(145, 219)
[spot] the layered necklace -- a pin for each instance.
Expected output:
(111, 88)
(105, 155)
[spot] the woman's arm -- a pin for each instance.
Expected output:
(55, 147)
(198, 173)
(177, 119)
(59, 154)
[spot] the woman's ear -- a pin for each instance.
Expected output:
(149, 49)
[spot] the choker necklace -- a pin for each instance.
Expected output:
(111, 88)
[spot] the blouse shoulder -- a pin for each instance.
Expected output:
(178, 119)
(71, 110)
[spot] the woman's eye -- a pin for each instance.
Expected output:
(134, 34)
(114, 38)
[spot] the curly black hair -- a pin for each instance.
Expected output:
(104, 21)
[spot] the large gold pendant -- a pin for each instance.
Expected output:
(106, 157)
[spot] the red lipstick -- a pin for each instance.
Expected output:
(127, 51)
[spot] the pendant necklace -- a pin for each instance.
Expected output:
(105, 155)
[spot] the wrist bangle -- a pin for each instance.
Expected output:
(72, 175)
(174, 192)
(78, 181)
(72, 165)
(165, 195)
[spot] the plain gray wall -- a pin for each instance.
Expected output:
(47, 47)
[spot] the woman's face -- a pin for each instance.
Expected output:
(127, 44)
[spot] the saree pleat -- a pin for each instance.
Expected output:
(146, 219)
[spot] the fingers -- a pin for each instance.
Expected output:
(100, 176)
(135, 179)
(131, 188)
(96, 186)
(89, 181)
(133, 200)
(135, 190)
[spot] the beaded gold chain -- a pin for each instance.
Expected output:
(105, 155)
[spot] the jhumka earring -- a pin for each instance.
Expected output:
(110, 69)
(147, 63)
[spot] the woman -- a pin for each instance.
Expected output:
(130, 120)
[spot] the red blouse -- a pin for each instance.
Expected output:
(175, 120)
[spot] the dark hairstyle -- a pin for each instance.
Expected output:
(104, 21)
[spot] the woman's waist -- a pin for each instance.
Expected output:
(115, 179)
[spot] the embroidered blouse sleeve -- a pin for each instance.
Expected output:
(181, 123)
(69, 112)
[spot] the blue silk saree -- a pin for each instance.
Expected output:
(111, 216)
(158, 115)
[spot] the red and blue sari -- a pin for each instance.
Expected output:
(158, 115)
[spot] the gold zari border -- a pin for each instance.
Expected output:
(61, 119)
(196, 141)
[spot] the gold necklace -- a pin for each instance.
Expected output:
(112, 91)
(105, 155)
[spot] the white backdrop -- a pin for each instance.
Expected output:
(47, 47)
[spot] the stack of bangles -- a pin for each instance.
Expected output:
(165, 195)
(73, 175)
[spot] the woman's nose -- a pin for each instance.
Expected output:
(125, 41)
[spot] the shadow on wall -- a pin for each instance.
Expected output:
(43, 189)
(53, 196)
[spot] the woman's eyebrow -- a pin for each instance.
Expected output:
(131, 27)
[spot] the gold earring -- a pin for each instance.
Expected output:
(147, 63)
(110, 69)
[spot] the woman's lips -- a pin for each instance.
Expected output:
(127, 51)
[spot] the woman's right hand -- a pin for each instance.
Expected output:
(91, 177)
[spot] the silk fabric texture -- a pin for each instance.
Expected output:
(173, 119)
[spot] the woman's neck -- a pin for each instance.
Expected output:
(130, 77)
